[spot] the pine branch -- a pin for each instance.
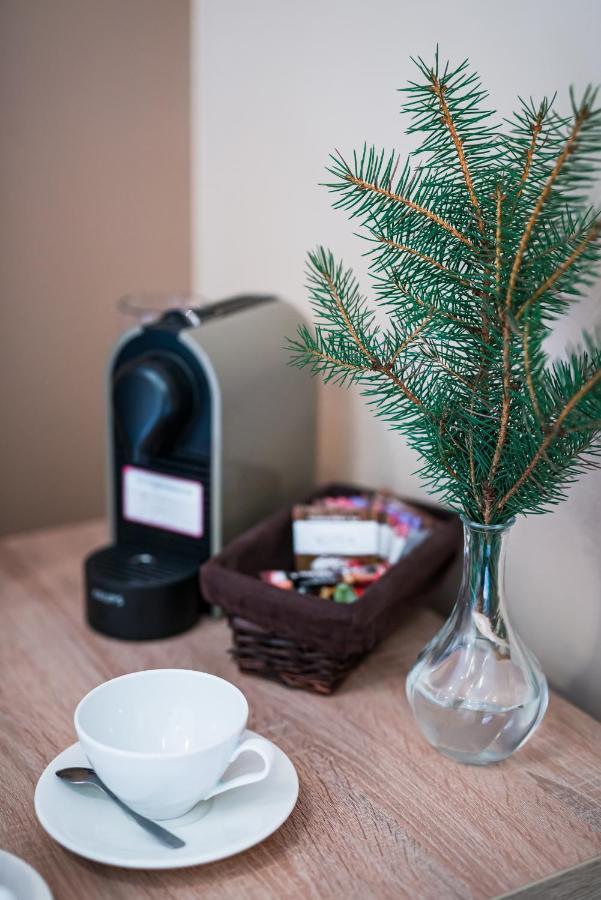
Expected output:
(407, 342)
(528, 371)
(498, 235)
(552, 433)
(472, 466)
(328, 284)
(536, 128)
(345, 316)
(372, 176)
(506, 402)
(561, 269)
(374, 363)
(441, 434)
(387, 371)
(340, 363)
(580, 118)
(473, 255)
(435, 358)
(439, 90)
(422, 303)
(403, 248)
(405, 201)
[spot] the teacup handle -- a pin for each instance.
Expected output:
(254, 745)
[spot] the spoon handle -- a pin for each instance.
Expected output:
(157, 831)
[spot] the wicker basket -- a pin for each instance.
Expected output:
(296, 665)
(300, 639)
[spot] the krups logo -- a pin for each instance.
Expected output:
(108, 597)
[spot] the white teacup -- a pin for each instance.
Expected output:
(162, 739)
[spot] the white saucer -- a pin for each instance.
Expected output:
(19, 880)
(88, 823)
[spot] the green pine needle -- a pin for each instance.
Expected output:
(474, 253)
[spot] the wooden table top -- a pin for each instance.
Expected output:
(380, 814)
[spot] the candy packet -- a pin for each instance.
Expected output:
(343, 544)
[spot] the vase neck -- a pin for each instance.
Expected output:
(482, 587)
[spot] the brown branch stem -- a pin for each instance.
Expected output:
(405, 201)
(498, 234)
(536, 130)
(506, 401)
(436, 311)
(427, 259)
(337, 362)
(445, 462)
(430, 354)
(552, 433)
(528, 371)
(591, 235)
(439, 91)
(375, 365)
(385, 370)
(408, 340)
(542, 199)
(344, 313)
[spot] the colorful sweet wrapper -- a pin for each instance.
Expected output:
(343, 544)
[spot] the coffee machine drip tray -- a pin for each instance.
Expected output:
(138, 595)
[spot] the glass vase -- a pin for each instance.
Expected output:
(476, 691)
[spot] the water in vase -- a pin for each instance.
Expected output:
(476, 691)
(471, 733)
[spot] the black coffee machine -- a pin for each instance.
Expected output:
(208, 430)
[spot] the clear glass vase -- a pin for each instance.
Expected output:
(476, 691)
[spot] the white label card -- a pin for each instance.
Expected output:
(162, 501)
(316, 537)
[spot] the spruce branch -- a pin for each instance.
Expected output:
(345, 315)
(536, 130)
(506, 320)
(580, 116)
(535, 125)
(403, 248)
(562, 268)
(498, 238)
(437, 311)
(439, 90)
(376, 189)
(473, 253)
(406, 201)
(528, 371)
(552, 433)
(408, 341)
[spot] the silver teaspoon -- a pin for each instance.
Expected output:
(81, 775)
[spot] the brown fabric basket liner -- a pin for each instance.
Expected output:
(230, 580)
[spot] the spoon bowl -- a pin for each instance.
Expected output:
(83, 775)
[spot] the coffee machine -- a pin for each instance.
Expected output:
(209, 430)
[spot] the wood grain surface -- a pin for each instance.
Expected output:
(380, 814)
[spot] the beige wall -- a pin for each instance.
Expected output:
(94, 180)
(276, 87)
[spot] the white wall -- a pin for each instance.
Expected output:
(277, 85)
